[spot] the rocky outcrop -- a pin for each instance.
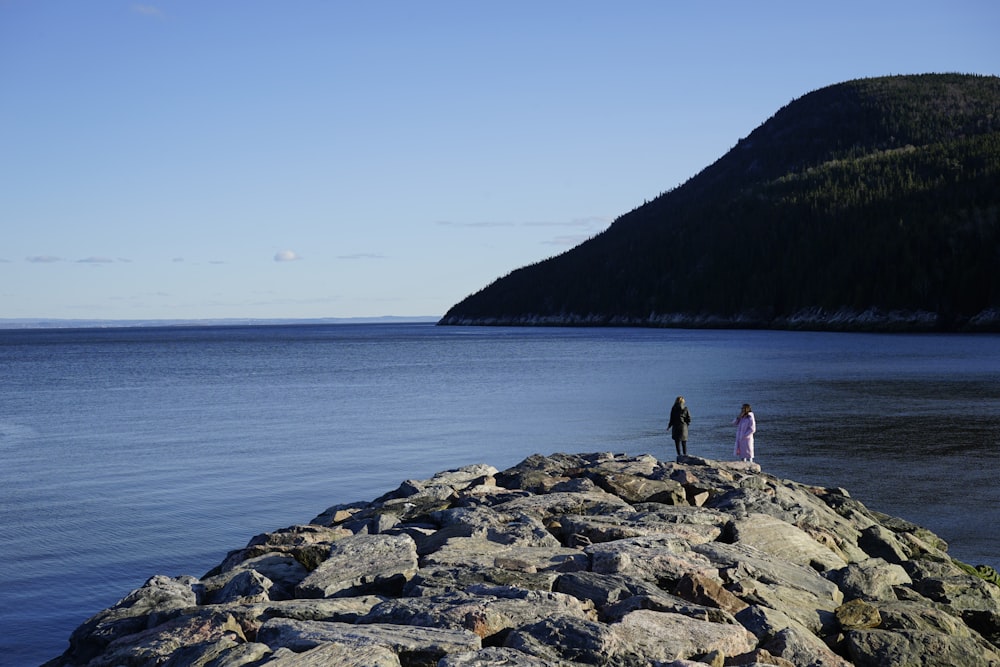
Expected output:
(570, 559)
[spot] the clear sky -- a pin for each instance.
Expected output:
(177, 159)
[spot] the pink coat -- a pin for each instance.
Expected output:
(745, 428)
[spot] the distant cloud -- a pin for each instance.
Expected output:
(44, 259)
(362, 255)
(177, 260)
(286, 256)
(96, 260)
(485, 223)
(592, 222)
(147, 10)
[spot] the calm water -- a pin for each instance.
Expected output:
(131, 452)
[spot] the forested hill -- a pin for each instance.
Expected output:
(871, 204)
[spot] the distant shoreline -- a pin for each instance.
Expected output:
(56, 323)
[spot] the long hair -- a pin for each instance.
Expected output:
(679, 401)
(744, 411)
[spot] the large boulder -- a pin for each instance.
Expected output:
(363, 564)
(564, 561)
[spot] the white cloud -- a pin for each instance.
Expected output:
(43, 259)
(147, 10)
(95, 260)
(286, 256)
(592, 222)
(484, 223)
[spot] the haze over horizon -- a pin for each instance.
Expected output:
(178, 160)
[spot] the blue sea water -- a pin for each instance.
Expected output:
(137, 451)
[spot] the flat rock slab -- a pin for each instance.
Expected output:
(363, 564)
(341, 655)
(659, 637)
(495, 657)
(402, 639)
(782, 540)
(559, 503)
(484, 553)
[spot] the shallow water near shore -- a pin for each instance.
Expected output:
(132, 452)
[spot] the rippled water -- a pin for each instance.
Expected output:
(131, 452)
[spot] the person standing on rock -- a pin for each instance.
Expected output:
(746, 426)
(678, 425)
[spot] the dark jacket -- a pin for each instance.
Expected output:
(679, 420)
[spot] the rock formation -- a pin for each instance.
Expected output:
(570, 559)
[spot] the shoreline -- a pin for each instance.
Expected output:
(570, 559)
(872, 320)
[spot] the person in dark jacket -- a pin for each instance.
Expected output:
(678, 425)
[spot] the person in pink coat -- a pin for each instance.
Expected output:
(746, 426)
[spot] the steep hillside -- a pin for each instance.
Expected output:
(870, 204)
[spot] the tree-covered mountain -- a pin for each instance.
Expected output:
(870, 204)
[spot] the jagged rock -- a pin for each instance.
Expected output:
(346, 610)
(657, 558)
(281, 569)
(741, 563)
(662, 601)
(416, 644)
(246, 586)
(486, 611)
(306, 544)
(880, 542)
(483, 553)
(188, 640)
(803, 649)
(571, 639)
(873, 648)
(494, 657)
(857, 615)
(363, 564)
(250, 654)
(655, 637)
(603, 590)
(567, 560)
(795, 504)
(548, 505)
(764, 622)
(700, 589)
(451, 480)
(340, 513)
(692, 526)
(537, 473)
(341, 655)
(873, 579)
(782, 540)
(158, 598)
(433, 580)
(639, 489)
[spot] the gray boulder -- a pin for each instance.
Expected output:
(363, 564)
(570, 560)
(415, 645)
(872, 579)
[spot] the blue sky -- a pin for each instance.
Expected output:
(181, 159)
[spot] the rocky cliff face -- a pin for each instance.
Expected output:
(584, 559)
